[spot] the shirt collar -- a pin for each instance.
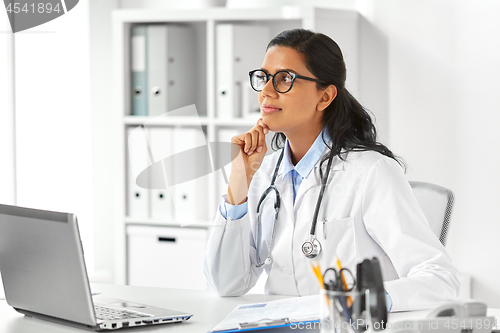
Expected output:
(307, 163)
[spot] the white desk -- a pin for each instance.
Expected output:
(207, 309)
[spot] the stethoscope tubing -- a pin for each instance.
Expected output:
(277, 203)
(272, 187)
(324, 180)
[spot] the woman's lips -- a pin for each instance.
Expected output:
(268, 108)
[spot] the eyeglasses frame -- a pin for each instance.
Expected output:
(293, 75)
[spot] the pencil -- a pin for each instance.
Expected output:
(339, 266)
(317, 272)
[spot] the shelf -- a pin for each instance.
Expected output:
(235, 122)
(165, 121)
(228, 14)
(187, 121)
(162, 223)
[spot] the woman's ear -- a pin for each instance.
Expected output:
(327, 96)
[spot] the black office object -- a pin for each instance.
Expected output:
(369, 277)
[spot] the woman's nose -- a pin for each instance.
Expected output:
(269, 90)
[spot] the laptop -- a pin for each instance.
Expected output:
(44, 275)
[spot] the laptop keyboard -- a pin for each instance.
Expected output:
(107, 313)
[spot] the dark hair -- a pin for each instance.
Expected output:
(348, 123)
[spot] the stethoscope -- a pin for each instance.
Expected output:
(311, 247)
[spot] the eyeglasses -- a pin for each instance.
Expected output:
(282, 80)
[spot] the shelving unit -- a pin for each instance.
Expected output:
(341, 25)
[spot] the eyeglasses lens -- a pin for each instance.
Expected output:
(259, 80)
(282, 82)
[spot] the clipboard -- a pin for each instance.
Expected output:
(270, 325)
(274, 314)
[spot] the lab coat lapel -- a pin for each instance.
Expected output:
(286, 191)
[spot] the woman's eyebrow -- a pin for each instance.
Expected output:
(289, 70)
(281, 69)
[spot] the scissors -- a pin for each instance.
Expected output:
(343, 281)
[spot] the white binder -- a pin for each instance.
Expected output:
(157, 69)
(224, 70)
(161, 142)
(171, 70)
(250, 108)
(181, 70)
(189, 197)
(239, 49)
(224, 135)
(138, 161)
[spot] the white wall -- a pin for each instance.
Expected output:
(477, 143)
(7, 115)
(7, 120)
(421, 83)
(102, 149)
(444, 116)
(52, 112)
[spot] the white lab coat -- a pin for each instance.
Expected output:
(370, 211)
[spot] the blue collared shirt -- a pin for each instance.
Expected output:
(306, 164)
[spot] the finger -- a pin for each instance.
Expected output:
(248, 143)
(261, 123)
(255, 133)
(261, 140)
(239, 139)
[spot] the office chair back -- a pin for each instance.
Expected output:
(436, 203)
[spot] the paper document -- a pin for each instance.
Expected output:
(279, 312)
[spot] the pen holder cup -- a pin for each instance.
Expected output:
(340, 312)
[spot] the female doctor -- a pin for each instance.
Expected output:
(330, 189)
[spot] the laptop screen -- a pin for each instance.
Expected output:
(42, 264)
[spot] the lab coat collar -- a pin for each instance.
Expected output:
(308, 162)
(286, 164)
(337, 163)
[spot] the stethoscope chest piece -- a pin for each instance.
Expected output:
(311, 248)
